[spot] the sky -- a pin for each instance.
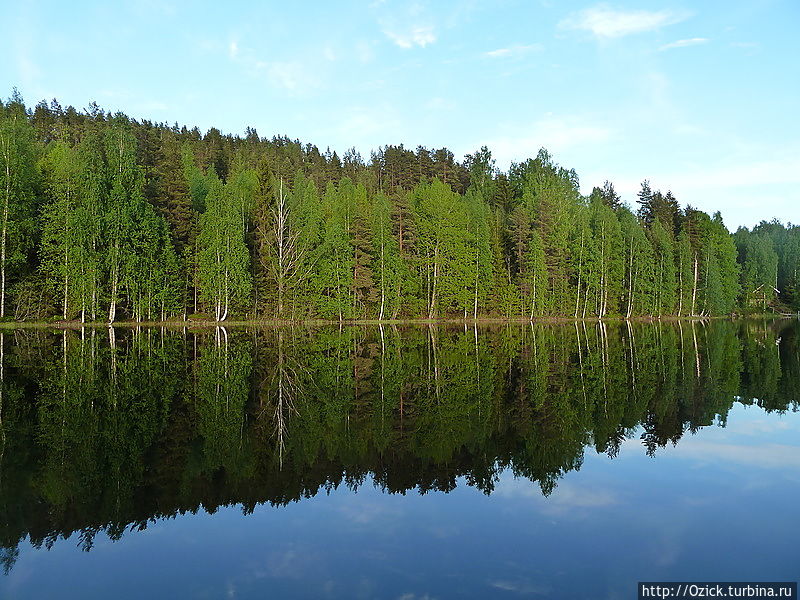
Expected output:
(698, 97)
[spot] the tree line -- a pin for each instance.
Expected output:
(103, 217)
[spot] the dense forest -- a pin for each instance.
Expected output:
(103, 217)
(105, 432)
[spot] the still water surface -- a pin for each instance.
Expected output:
(363, 462)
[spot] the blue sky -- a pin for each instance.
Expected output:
(701, 97)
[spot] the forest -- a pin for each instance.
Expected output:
(106, 218)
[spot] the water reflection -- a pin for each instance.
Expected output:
(104, 430)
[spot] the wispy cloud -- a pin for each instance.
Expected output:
(416, 35)
(407, 25)
(684, 43)
(737, 183)
(514, 51)
(522, 587)
(556, 133)
(295, 76)
(748, 173)
(146, 8)
(369, 123)
(292, 76)
(566, 496)
(767, 456)
(605, 22)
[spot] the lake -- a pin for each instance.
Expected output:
(414, 462)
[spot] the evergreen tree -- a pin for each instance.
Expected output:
(759, 269)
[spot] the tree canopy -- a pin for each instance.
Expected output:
(103, 217)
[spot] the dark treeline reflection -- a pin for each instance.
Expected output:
(105, 430)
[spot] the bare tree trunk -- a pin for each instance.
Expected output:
(475, 308)
(603, 283)
(580, 274)
(696, 351)
(4, 234)
(66, 286)
(694, 285)
(112, 309)
(630, 282)
(227, 294)
(432, 310)
(585, 303)
(383, 285)
(280, 225)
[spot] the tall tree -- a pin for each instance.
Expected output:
(64, 253)
(18, 184)
(223, 258)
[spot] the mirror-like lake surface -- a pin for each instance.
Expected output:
(547, 461)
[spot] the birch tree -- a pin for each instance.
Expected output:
(62, 257)
(281, 250)
(125, 196)
(225, 280)
(18, 181)
(388, 263)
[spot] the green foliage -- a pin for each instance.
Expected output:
(225, 280)
(145, 222)
(19, 182)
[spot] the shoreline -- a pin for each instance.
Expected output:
(273, 323)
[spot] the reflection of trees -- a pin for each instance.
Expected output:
(220, 396)
(771, 374)
(83, 445)
(104, 432)
(279, 389)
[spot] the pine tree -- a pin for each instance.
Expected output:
(365, 291)
(172, 190)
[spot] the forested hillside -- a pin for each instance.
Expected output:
(104, 218)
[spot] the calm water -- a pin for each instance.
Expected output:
(412, 463)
